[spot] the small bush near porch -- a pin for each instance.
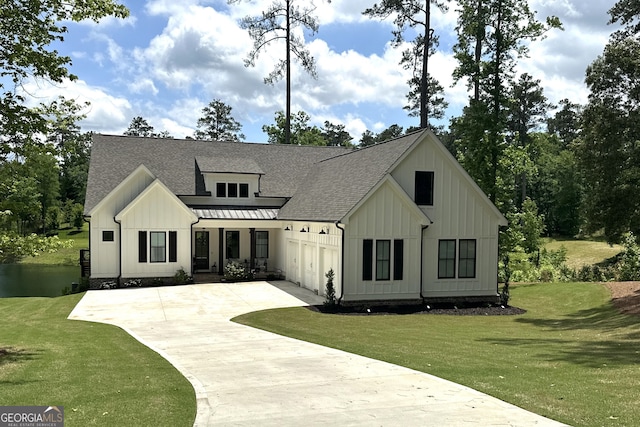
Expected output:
(572, 357)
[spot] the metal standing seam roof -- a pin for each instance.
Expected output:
(254, 214)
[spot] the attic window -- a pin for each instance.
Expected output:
(221, 189)
(424, 188)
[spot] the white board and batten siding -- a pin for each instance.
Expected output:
(387, 214)
(460, 211)
(105, 255)
(156, 209)
(310, 255)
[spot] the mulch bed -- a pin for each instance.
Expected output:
(441, 309)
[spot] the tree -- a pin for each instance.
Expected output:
(369, 138)
(566, 123)
(140, 127)
(27, 31)
(526, 111)
(217, 124)
(301, 132)
(608, 150)
(492, 35)
(278, 23)
(336, 135)
(424, 89)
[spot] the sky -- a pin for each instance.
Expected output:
(170, 58)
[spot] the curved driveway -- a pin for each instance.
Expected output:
(247, 377)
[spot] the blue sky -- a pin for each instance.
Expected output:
(170, 59)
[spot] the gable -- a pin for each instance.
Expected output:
(388, 197)
(156, 206)
(455, 192)
(127, 190)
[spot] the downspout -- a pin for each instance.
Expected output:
(191, 246)
(119, 250)
(86, 218)
(424, 227)
(341, 263)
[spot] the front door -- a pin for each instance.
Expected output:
(202, 250)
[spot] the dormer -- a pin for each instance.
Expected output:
(230, 180)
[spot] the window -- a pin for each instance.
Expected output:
(158, 246)
(244, 190)
(398, 259)
(221, 189)
(173, 246)
(232, 190)
(446, 259)
(262, 244)
(142, 246)
(367, 259)
(383, 259)
(424, 188)
(233, 244)
(107, 236)
(467, 259)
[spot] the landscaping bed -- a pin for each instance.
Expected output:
(625, 296)
(445, 309)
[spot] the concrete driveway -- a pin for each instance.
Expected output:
(247, 377)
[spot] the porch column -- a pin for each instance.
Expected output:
(221, 251)
(252, 261)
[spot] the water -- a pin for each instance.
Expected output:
(29, 280)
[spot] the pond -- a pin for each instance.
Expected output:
(32, 280)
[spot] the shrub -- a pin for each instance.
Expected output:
(234, 271)
(629, 265)
(132, 283)
(330, 291)
(181, 277)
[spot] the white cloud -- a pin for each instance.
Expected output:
(106, 114)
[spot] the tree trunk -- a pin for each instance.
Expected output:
(424, 87)
(287, 125)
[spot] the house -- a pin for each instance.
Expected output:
(397, 221)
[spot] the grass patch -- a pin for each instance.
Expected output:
(100, 374)
(571, 357)
(65, 256)
(583, 252)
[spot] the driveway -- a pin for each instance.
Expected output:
(248, 377)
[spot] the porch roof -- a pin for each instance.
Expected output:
(228, 213)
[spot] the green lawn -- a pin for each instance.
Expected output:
(65, 256)
(100, 374)
(571, 357)
(583, 252)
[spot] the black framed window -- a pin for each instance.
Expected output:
(398, 259)
(262, 244)
(244, 190)
(467, 259)
(383, 259)
(367, 259)
(158, 246)
(232, 189)
(173, 246)
(424, 188)
(446, 259)
(142, 246)
(221, 189)
(233, 244)
(107, 236)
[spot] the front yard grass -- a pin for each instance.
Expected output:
(571, 357)
(100, 374)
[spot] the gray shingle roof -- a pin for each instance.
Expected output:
(113, 158)
(228, 165)
(334, 186)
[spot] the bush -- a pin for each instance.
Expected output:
(234, 271)
(330, 291)
(181, 277)
(629, 265)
